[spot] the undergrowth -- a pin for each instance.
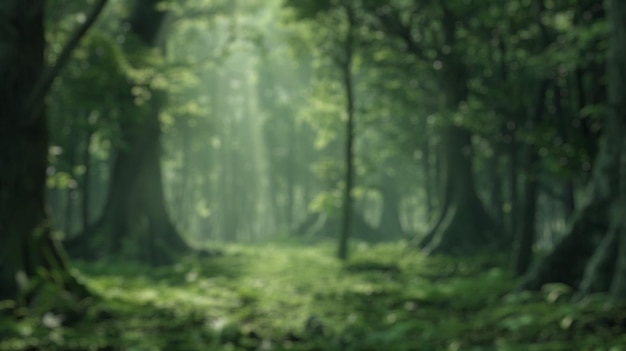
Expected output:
(296, 297)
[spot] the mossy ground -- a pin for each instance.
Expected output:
(297, 297)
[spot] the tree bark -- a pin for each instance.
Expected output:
(390, 227)
(28, 253)
(600, 269)
(464, 226)
(346, 70)
(514, 185)
(69, 218)
(526, 238)
(568, 260)
(182, 213)
(86, 183)
(427, 170)
(291, 173)
(135, 224)
(495, 189)
(583, 257)
(616, 75)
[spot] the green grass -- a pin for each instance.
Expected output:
(296, 297)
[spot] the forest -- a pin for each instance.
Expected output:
(256, 175)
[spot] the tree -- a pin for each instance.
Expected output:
(29, 252)
(135, 223)
(463, 225)
(592, 256)
(345, 63)
(525, 237)
(341, 16)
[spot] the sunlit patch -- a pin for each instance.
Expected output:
(51, 320)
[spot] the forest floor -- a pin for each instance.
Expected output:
(299, 297)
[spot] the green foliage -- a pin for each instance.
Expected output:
(60, 180)
(328, 202)
(285, 296)
(310, 9)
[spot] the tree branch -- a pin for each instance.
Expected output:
(392, 24)
(34, 102)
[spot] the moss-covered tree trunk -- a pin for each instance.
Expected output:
(28, 250)
(135, 224)
(464, 226)
(592, 255)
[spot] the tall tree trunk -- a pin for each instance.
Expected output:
(564, 123)
(70, 204)
(464, 226)
(584, 254)
(346, 70)
(28, 249)
(390, 227)
(569, 192)
(86, 183)
(70, 191)
(185, 174)
(508, 132)
(437, 183)
(495, 189)
(291, 173)
(514, 185)
(526, 236)
(427, 169)
(600, 269)
(135, 224)
(617, 111)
